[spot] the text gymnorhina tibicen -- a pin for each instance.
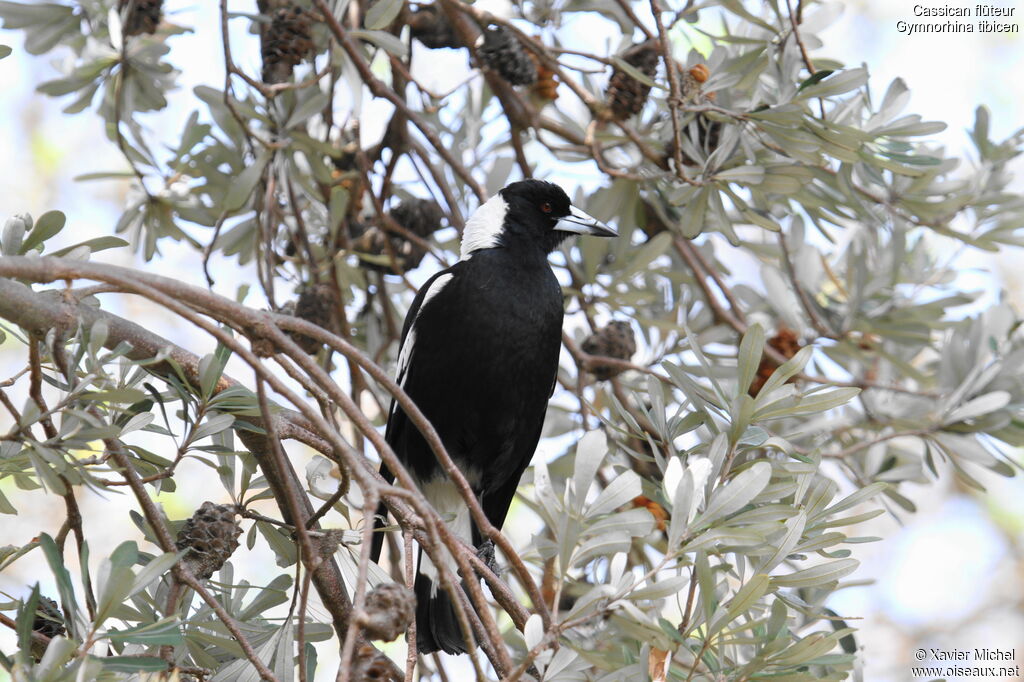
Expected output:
(479, 356)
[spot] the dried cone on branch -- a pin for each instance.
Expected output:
(143, 15)
(316, 304)
(429, 26)
(49, 621)
(626, 95)
(286, 42)
(785, 342)
(369, 665)
(390, 608)
(421, 217)
(614, 341)
(498, 49)
(209, 538)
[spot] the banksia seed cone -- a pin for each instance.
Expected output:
(626, 95)
(49, 621)
(421, 217)
(614, 341)
(143, 17)
(500, 50)
(390, 608)
(316, 304)
(286, 42)
(209, 538)
(787, 344)
(369, 665)
(429, 26)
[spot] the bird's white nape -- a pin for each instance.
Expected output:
(484, 227)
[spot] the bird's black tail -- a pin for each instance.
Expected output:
(380, 520)
(437, 627)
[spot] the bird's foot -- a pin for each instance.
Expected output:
(485, 552)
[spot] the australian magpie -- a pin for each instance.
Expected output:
(479, 356)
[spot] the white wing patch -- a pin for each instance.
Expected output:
(483, 229)
(405, 354)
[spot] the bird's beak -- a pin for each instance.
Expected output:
(579, 222)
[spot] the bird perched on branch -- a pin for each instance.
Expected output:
(479, 356)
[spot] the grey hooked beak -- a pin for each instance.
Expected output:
(579, 222)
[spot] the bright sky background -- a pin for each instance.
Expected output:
(934, 569)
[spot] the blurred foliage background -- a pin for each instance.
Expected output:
(896, 270)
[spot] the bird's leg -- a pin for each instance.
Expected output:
(486, 554)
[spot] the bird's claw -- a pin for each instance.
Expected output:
(485, 552)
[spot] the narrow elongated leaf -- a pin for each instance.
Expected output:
(622, 489)
(737, 493)
(590, 452)
(817, 575)
(749, 357)
(382, 13)
(663, 588)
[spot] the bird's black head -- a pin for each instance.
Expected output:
(530, 214)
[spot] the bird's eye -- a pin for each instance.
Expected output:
(546, 207)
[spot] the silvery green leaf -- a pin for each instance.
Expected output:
(616, 568)
(156, 567)
(976, 407)
(213, 425)
(784, 545)
(787, 370)
(533, 633)
(244, 183)
(749, 357)
(563, 659)
(601, 545)
(633, 522)
(684, 504)
(700, 469)
(660, 589)
(810, 648)
(590, 600)
(744, 175)
(743, 600)
(384, 40)
(14, 232)
(716, 457)
(812, 403)
(242, 670)
(737, 493)
(852, 500)
(139, 421)
(590, 453)
(672, 477)
(314, 103)
(730, 535)
(381, 13)
(836, 84)
(817, 575)
(46, 226)
(620, 490)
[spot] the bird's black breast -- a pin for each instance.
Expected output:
(482, 361)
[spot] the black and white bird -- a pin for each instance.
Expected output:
(479, 356)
